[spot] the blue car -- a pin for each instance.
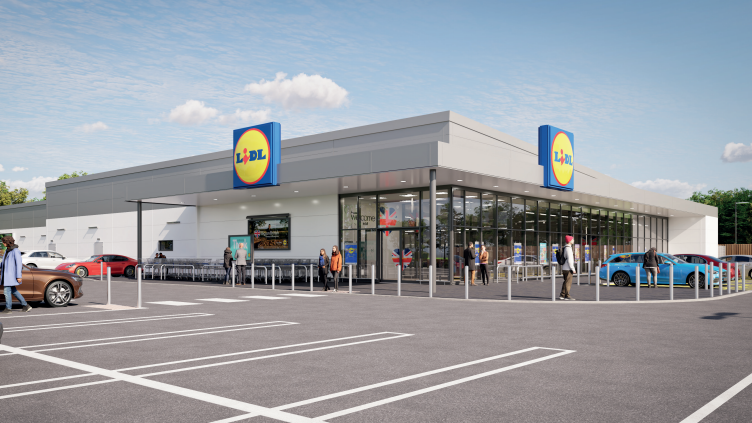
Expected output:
(623, 267)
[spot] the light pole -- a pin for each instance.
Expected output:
(740, 202)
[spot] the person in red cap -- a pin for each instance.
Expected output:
(567, 269)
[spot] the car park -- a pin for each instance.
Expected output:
(702, 259)
(622, 270)
(42, 259)
(118, 265)
(742, 260)
(54, 287)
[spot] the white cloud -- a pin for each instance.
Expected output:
(675, 188)
(737, 152)
(92, 127)
(20, 169)
(245, 117)
(302, 91)
(193, 112)
(35, 185)
(1, 168)
(153, 121)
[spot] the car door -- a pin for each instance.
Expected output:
(637, 260)
(118, 265)
(665, 268)
(27, 286)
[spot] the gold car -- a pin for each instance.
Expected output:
(54, 287)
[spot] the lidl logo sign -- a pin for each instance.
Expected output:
(256, 155)
(556, 155)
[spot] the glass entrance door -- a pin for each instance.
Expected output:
(400, 249)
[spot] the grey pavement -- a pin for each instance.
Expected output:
(652, 362)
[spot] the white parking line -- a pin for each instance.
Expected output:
(411, 377)
(104, 322)
(718, 401)
(176, 390)
(173, 303)
(222, 300)
(170, 363)
(304, 295)
(52, 314)
(263, 297)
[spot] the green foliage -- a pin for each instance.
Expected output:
(8, 197)
(725, 201)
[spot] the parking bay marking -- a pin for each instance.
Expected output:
(264, 297)
(104, 322)
(169, 363)
(223, 300)
(718, 401)
(304, 295)
(173, 303)
(58, 314)
(176, 390)
(411, 377)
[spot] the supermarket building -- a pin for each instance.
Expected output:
(368, 190)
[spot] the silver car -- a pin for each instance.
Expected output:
(742, 260)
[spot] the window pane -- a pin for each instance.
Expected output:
(531, 214)
(349, 212)
(400, 209)
(542, 216)
(472, 208)
(487, 201)
(442, 208)
(585, 221)
(652, 227)
(612, 224)
(665, 231)
(619, 224)
(367, 212)
(518, 213)
(555, 217)
(503, 212)
(604, 223)
(505, 248)
(577, 220)
(458, 209)
(566, 219)
(594, 228)
(640, 228)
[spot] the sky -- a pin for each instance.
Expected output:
(656, 93)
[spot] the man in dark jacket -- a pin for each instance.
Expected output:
(650, 263)
(228, 264)
(469, 257)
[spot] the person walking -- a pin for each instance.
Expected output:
(336, 266)
(228, 264)
(323, 268)
(469, 256)
(650, 263)
(483, 265)
(240, 254)
(568, 269)
(11, 275)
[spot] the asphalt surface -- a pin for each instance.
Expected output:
(616, 362)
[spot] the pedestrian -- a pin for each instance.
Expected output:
(11, 275)
(323, 268)
(469, 256)
(650, 263)
(228, 264)
(568, 269)
(484, 265)
(336, 266)
(240, 254)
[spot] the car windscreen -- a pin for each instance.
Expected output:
(673, 258)
(713, 258)
(92, 258)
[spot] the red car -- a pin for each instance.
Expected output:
(705, 259)
(120, 265)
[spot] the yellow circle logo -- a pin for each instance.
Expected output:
(562, 158)
(252, 156)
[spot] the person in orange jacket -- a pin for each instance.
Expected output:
(335, 266)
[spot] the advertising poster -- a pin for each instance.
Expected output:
(543, 253)
(587, 253)
(236, 240)
(554, 250)
(351, 254)
(270, 233)
(477, 254)
(576, 252)
(517, 252)
(613, 250)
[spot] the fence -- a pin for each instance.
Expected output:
(734, 249)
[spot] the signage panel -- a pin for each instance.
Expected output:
(256, 155)
(351, 254)
(517, 252)
(556, 155)
(236, 240)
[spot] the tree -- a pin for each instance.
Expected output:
(74, 174)
(725, 201)
(8, 197)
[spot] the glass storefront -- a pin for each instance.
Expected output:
(391, 230)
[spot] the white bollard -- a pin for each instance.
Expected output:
(349, 271)
(138, 276)
(744, 277)
(736, 278)
(637, 283)
(253, 275)
(509, 281)
(373, 279)
(109, 287)
(578, 265)
(233, 274)
(553, 286)
(399, 281)
(697, 282)
(311, 278)
(467, 283)
(671, 280)
(708, 276)
(598, 283)
(272, 275)
(608, 274)
(292, 276)
(430, 281)
(101, 271)
(712, 281)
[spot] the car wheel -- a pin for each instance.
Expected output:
(130, 271)
(31, 266)
(621, 279)
(58, 294)
(691, 280)
(81, 271)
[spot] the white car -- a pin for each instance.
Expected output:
(43, 259)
